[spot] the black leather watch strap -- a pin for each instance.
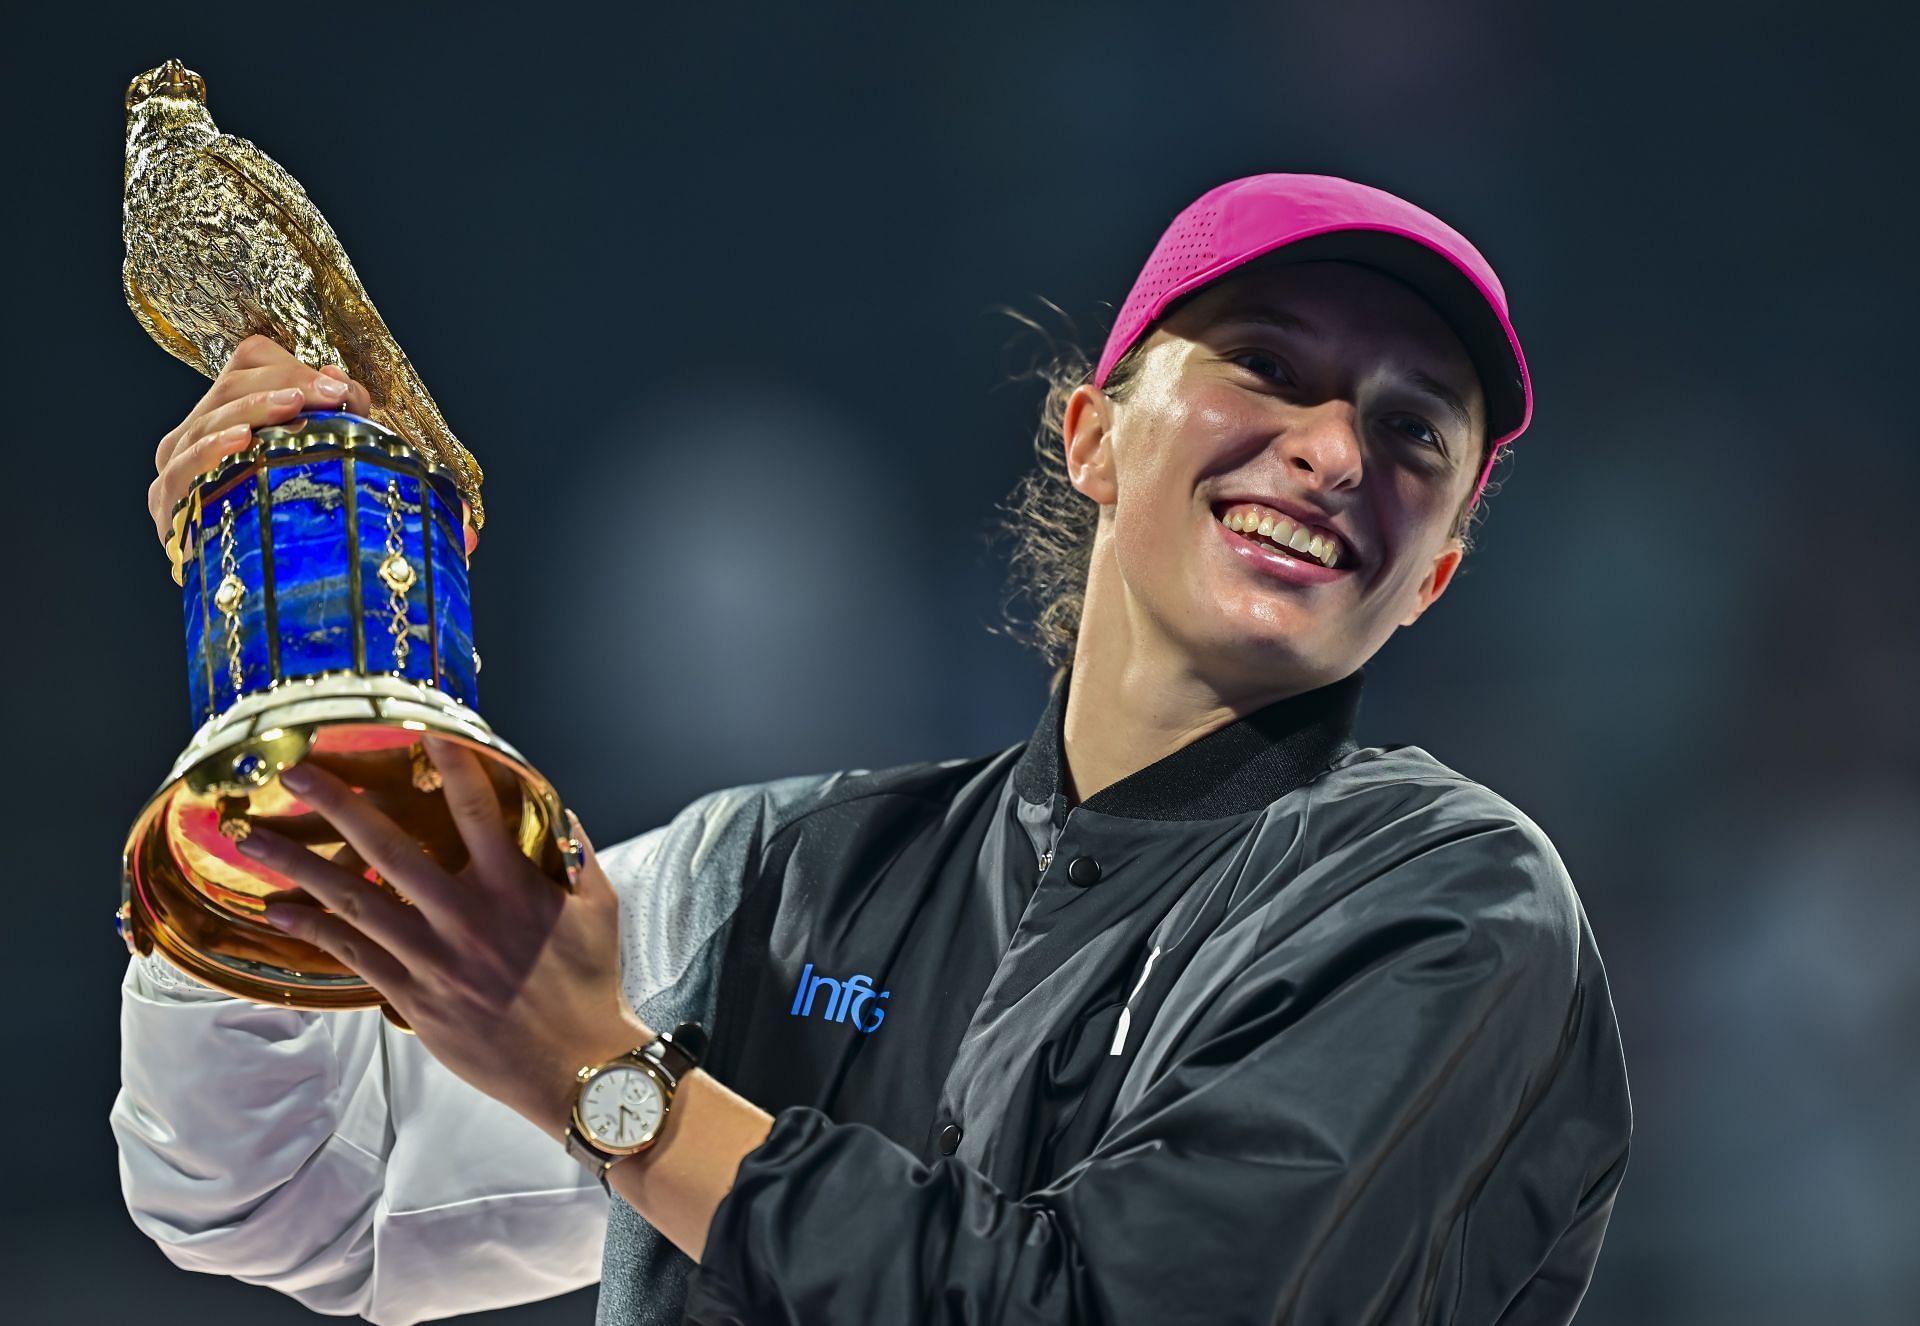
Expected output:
(679, 1051)
(596, 1161)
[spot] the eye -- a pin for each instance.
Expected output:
(1263, 364)
(1421, 431)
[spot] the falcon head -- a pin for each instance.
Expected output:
(171, 80)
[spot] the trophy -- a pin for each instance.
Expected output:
(323, 571)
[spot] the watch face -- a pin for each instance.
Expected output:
(621, 1107)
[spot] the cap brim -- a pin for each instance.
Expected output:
(1489, 341)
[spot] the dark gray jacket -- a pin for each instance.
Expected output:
(1278, 1029)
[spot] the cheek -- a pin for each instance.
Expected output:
(1224, 428)
(1414, 522)
(1177, 438)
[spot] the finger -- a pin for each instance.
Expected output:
(256, 409)
(381, 843)
(258, 351)
(332, 934)
(359, 903)
(207, 438)
(592, 881)
(275, 405)
(349, 860)
(328, 388)
(260, 366)
(259, 410)
(359, 400)
(187, 469)
(475, 809)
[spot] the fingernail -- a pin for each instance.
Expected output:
(332, 388)
(278, 914)
(234, 432)
(248, 847)
(286, 396)
(299, 778)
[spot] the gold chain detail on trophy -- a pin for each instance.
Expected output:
(230, 595)
(396, 572)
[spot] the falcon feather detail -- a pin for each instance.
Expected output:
(222, 243)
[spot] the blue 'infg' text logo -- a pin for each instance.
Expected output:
(846, 1001)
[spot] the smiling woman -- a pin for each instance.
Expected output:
(1321, 421)
(1430, 421)
(1188, 1009)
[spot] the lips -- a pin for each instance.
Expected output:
(1287, 529)
(1262, 558)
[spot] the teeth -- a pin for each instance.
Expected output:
(1269, 525)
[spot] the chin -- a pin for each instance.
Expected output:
(1255, 656)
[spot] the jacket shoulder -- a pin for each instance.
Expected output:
(731, 820)
(782, 803)
(682, 884)
(1405, 822)
(1427, 840)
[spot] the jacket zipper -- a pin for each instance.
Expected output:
(1046, 857)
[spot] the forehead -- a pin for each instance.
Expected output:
(1340, 302)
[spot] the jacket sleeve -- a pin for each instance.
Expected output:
(1410, 1108)
(330, 1157)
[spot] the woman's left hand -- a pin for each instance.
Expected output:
(508, 979)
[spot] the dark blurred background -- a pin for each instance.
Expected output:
(710, 290)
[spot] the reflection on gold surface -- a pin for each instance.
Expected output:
(195, 899)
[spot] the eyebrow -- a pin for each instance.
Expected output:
(1446, 395)
(1270, 316)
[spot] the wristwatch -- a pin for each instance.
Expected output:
(621, 1106)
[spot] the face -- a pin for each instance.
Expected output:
(1323, 395)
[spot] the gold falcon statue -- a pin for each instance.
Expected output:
(223, 243)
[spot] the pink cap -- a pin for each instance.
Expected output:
(1329, 219)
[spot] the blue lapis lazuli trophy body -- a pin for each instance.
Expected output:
(307, 530)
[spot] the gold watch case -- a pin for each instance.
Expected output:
(633, 1061)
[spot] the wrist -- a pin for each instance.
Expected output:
(589, 1047)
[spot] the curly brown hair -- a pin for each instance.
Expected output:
(1051, 523)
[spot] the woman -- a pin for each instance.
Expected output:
(1186, 1009)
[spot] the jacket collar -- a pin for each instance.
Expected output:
(1235, 770)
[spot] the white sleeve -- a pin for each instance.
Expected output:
(329, 1156)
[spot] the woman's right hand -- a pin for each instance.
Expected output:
(261, 385)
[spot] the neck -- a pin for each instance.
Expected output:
(1137, 696)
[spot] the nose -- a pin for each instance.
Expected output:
(1322, 446)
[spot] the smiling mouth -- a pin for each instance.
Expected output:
(1276, 531)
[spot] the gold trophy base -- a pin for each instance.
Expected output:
(190, 895)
